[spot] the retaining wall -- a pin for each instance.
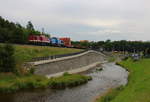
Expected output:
(64, 64)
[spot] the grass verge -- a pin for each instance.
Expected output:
(25, 53)
(12, 83)
(109, 95)
(138, 87)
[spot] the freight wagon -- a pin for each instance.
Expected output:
(67, 42)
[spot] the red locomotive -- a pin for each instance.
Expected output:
(39, 39)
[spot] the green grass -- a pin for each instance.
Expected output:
(12, 83)
(111, 59)
(110, 95)
(68, 80)
(138, 87)
(24, 53)
(27, 52)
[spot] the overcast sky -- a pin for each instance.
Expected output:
(83, 19)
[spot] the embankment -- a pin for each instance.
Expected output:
(137, 89)
(74, 64)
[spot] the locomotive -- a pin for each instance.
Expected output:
(38, 40)
(56, 41)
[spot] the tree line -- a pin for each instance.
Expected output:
(122, 45)
(15, 33)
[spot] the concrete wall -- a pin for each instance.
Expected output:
(67, 63)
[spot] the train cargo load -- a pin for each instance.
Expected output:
(67, 42)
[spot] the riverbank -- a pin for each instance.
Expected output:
(137, 89)
(11, 83)
(111, 76)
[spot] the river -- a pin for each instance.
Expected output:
(110, 77)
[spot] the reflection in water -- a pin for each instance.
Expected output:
(111, 76)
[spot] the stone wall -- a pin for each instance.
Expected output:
(69, 63)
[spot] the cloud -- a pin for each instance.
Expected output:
(83, 19)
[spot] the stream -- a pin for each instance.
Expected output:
(110, 77)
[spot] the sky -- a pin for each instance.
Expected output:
(92, 20)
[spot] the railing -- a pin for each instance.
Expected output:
(55, 56)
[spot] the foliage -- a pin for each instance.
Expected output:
(14, 32)
(110, 95)
(111, 59)
(30, 26)
(24, 53)
(66, 74)
(68, 80)
(123, 45)
(11, 83)
(32, 70)
(7, 60)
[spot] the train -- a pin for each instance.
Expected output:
(46, 41)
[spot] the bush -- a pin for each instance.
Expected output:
(13, 83)
(66, 74)
(125, 58)
(7, 60)
(68, 80)
(32, 70)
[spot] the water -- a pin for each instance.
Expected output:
(111, 77)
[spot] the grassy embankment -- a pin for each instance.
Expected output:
(27, 52)
(12, 83)
(24, 53)
(138, 87)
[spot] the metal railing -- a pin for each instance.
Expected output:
(55, 56)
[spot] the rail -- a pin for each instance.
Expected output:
(55, 56)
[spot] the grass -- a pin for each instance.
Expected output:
(111, 59)
(68, 80)
(12, 83)
(110, 95)
(24, 53)
(138, 87)
(27, 52)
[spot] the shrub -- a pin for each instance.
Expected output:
(66, 74)
(32, 70)
(7, 60)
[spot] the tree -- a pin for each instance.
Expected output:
(14, 32)
(18, 36)
(30, 27)
(7, 60)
